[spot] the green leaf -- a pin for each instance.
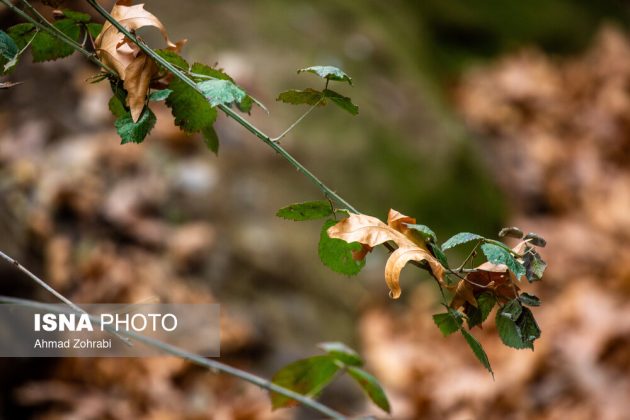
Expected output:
(307, 377)
(438, 254)
(512, 232)
(529, 328)
(117, 107)
(461, 238)
(529, 300)
(159, 95)
(173, 58)
(534, 265)
(221, 92)
(328, 72)
(8, 48)
(21, 33)
(205, 70)
(371, 386)
(298, 97)
(77, 17)
(478, 350)
(485, 303)
(342, 101)
(336, 254)
(535, 239)
(246, 104)
(342, 353)
(94, 29)
(192, 112)
(499, 255)
(45, 47)
(427, 234)
(448, 322)
(507, 327)
(135, 132)
(310, 210)
(211, 139)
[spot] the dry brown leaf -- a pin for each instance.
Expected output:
(132, 65)
(494, 277)
(370, 232)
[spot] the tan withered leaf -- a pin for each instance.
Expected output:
(131, 64)
(370, 232)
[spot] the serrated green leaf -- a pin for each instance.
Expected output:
(506, 319)
(159, 95)
(478, 350)
(192, 112)
(77, 17)
(342, 353)
(21, 33)
(173, 58)
(310, 210)
(448, 322)
(45, 47)
(371, 386)
(342, 101)
(221, 92)
(485, 303)
(135, 132)
(94, 29)
(211, 139)
(204, 70)
(535, 239)
(328, 72)
(498, 255)
(512, 232)
(529, 300)
(461, 238)
(307, 377)
(336, 254)
(299, 97)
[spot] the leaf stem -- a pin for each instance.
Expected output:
(292, 126)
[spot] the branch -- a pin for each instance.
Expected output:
(213, 365)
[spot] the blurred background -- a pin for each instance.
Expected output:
(473, 115)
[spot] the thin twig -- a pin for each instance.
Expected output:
(292, 126)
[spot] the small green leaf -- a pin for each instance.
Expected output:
(307, 377)
(427, 234)
(461, 238)
(211, 139)
(8, 48)
(529, 328)
(342, 353)
(159, 95)
(77, 17)
(371, 386)
(21, 33)
(342, 101)
(499, 255)
(310, 210)
(485, 303)
(45, 47)
(246, 104)
(173, 58)
(509, 331)
(529, 300)
(298, 97)
(117, 107)
(336, 254)
(192, 111)
(438, 254)
(221, 92)
(534, 265)
(131, 132)
(328, 72)
(512, 232)
(94, 29)
(478, 350)
(204, 70)
(535, 239)
(448, 322)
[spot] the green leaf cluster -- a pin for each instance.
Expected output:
(516, 325)
(311, 375)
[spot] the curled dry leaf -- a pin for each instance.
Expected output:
(132, 65)
(370, 232)
(487, 277)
